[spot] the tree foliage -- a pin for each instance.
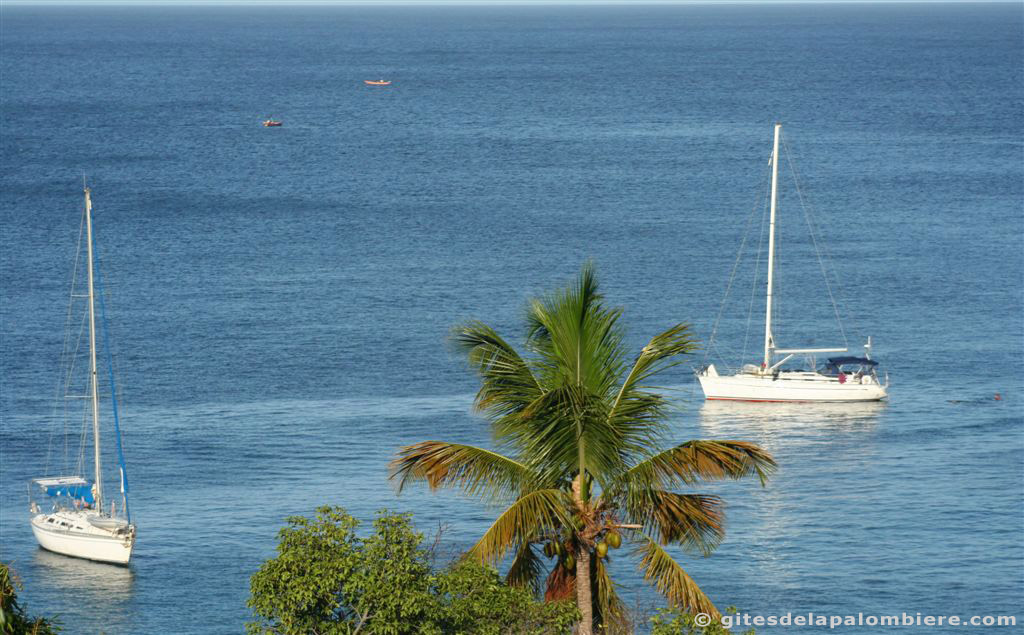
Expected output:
(474, 599)
(582, 461)
(327, 579)
(13, 619)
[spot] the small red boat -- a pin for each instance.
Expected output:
(270, 123)
(378, 82)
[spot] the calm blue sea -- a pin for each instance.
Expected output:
(280, 298)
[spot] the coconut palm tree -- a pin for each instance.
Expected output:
(582, 466)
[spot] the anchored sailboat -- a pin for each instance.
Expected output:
(844, 378)
(78, 522)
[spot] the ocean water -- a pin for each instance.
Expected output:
(281, 298)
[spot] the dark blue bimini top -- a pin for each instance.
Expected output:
(839, 361)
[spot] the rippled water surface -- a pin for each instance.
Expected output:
(281, 298)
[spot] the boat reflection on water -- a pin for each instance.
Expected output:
(739, 416)
(90, 591)
(85, 576)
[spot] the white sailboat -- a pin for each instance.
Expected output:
(845, 378)
(78, 523)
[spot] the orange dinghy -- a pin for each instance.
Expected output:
(270, 123)
(379, 82)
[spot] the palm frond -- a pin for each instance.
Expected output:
(635, 412)
(546, 433)
(476, 471)
(574, 301)
(661, 353)
(507, 382)
(695, 461)
(670, 579)
(526, 568)
(558, 423)
(694, 521)
(533, 513)
(578, 340)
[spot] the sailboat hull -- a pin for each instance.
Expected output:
(71, 534)
(788, 387)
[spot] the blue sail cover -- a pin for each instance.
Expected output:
(80, 491)
(113, 397)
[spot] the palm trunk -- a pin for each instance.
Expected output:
(583, 600)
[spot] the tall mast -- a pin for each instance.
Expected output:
(93, 376)
(768, 344)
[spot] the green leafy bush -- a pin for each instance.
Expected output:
(13, 620)
(474, 599)
(326, 579)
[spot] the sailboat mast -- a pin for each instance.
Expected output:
(771, 253)
(93, 376)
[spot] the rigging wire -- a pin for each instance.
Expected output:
(754, 279)
(66, 363)
(712, 345)
(825, 263)
(83, 437)
(69, 397)
(819, 249)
